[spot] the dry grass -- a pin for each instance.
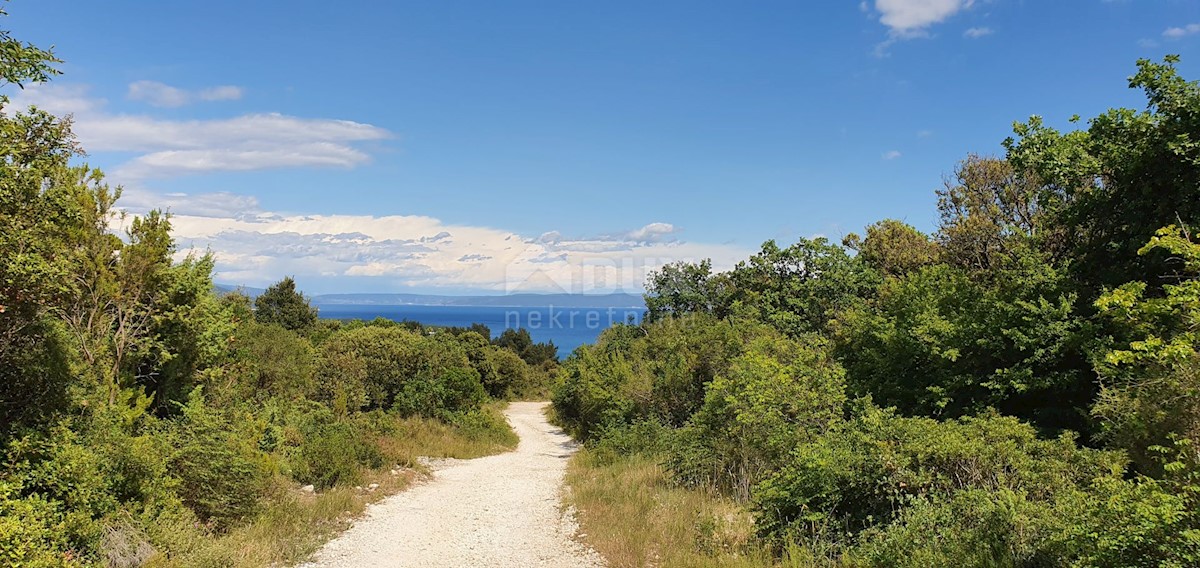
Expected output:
(632, 514)
(294, 524)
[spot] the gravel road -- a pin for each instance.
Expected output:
(497, 511)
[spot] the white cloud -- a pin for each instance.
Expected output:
(1182, 31)
(358, 252)
(221, 93)
(217, 204)
(910, 18)
(172, 147)
(654, 232)
(924, 133)
(163, 95)
(891, 154)
(157, 94)
(976, 33)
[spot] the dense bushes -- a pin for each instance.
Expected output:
(221, 471)
(1017, 389)
(143, 418)
(872, 467)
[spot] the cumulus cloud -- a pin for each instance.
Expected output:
(910, 18)
(1181, 31)
(976, 33)
(654, 232)
(171, 147)
(163, 95)
(418, 252)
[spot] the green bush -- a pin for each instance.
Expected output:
(333, 451)
(222, 473)
(485, 425)
(33, 531)
(973, 528)
(398, 369)
(774, 396)
(872, 467)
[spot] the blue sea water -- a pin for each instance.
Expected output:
(568, 328)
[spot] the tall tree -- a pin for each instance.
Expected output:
(282, 305)
(800, 288)
(1130, 173)
(893, 247)
(681, 288)
(991, 214)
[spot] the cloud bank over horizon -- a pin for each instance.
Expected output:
(337, 253)
(415, 253)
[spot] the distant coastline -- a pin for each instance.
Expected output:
(617, 300)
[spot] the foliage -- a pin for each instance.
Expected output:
(876, 464)
(683, 288)
(659, 372)
(938, 343)
(518, 341)
(410, 372)
(798, 289)
(333, 452)
(282, 305)
(893, 248)
(1151, 385)
(774, 396)
(1142, 166)
(221, 473)
(992, 216)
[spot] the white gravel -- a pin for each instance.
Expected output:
(497, 511)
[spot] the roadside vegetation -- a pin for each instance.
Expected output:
(1019, 388)
(147, 420)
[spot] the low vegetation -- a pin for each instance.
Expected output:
(147, 420)
(1017, 389)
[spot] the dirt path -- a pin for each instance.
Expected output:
(499, 511)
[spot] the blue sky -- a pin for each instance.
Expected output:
(500, 146)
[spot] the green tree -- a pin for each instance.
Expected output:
(938, 343)
(282, 305)
(520, 342)
(1150, 386)
(799, 289)
(1116, 183)
(893, 248)
(991, 214)
(682, 288)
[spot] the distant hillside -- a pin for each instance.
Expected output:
(506, 301)
(230, 288)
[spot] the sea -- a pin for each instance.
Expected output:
(568, 328)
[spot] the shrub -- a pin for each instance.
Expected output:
(505, 372)
(399, 369)
(871, 468)
(438, 396)
(333, 451)
(974, 527)
(222, 475)
(774, 396)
